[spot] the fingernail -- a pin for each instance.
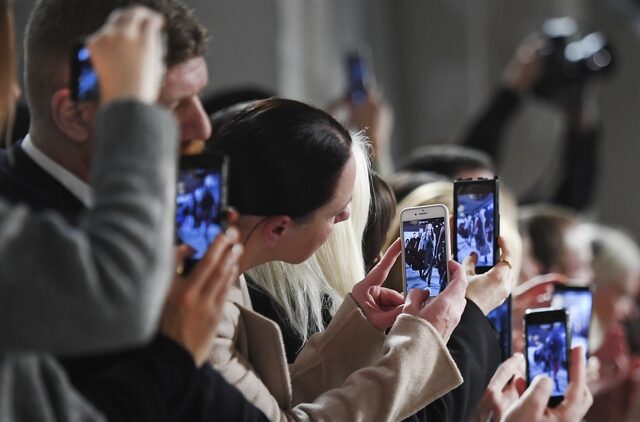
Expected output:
(236, 249)
(232, 233)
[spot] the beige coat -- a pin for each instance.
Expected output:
(348, 372)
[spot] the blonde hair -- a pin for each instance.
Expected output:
(616, 256)
(7, 68)
(331, 271)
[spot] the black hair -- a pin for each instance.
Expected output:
(447, 159)
(285, 157)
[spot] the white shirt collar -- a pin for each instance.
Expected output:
(77, 187)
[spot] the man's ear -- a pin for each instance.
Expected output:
(276, 228)
(70, 117)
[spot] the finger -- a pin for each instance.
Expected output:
(506, 371)
(505, 250)
(209, 261)
(536, 397)
(228, 260)
(379, 273)
(414, 301)
(457, 281)
(183, 252)
(390, 297)
(577, 373)
(220, 295)
(470, 262)
(387, 318)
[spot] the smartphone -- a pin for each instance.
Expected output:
(84, 82)
(425, 248)
(201, 201)
(547, 338)
(359, 77)
(477, 221)
(500, 318)
(578, 301)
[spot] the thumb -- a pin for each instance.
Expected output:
(379, 273)
(414, 301)
(469, 263)
(536, 397)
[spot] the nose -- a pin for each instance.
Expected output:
(194, 122)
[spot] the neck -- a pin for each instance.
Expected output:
(67, 154)
(255, 251)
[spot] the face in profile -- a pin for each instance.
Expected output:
(305, 237)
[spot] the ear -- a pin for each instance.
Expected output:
(71, 117)
(276, 228)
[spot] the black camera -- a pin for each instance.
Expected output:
(570, 59)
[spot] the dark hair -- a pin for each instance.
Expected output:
(56, 25)
(221, 100)
(404, 182)
(447, 159)
(285, 157)
(545, 226)
(382, 211)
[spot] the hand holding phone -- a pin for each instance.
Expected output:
(547, 340)
(128, 55)
(425, 248)
(532, 406)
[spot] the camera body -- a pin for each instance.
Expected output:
(570, 60)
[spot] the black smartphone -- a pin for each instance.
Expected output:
(578, 301)
(201, 201)
(477, 221)
(425, 248)
(500, 318)
(547, 337)
(84, 82)
(358, 77)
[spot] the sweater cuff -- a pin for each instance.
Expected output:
(177, 366)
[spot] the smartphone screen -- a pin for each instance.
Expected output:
(84, 79)
(547, 348)
(200, 201)
(500, 318)
(476, 221)
(578, 301)
(425, 256)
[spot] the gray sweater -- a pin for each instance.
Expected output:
(101, 286)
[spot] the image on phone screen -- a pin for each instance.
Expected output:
(198, 208)
(500, 318)
(425, 254)
(547, 354)
(86, 77)
(578, 302)
(475, 223)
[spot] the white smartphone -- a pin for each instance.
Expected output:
(425, 248)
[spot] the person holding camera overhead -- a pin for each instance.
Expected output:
(546, 64)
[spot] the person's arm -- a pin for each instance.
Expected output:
(474, 347)
(66, 290)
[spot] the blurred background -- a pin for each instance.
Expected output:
(437, 63)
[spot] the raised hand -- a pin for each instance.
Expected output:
(490, 289)
(532, 406)
(194, 304)
(381, 306)
(504, 389)
(127, 54)
(443, 312)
